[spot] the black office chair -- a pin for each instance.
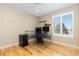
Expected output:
(39, 36)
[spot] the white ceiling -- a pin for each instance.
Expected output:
(39, 9)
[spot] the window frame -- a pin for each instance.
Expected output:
(61, 20)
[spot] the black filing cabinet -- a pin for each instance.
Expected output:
(23, 40)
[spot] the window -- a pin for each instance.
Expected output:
(63, 24)
(57, 24)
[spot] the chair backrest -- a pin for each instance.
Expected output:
(38, 30)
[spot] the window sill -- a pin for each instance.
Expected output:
(70, 36)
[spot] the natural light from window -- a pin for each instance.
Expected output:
(63, 24)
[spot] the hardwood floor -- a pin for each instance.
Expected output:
(47, 49)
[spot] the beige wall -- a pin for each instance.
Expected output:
(66, 40)
(13, 23)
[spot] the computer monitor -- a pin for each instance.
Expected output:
(46, 29)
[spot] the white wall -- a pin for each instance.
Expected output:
(14, 22)
(66, 40)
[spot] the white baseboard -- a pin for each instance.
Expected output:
(73, 46)
(47, 40)
(13, 44)
(9, 45)
(68, 45)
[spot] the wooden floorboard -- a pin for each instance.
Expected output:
(46, 49)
